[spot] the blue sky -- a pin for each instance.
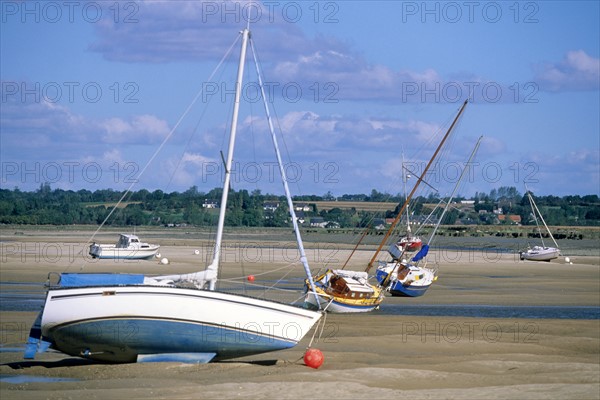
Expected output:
(90, 90)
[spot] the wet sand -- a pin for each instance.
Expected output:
(375, 355)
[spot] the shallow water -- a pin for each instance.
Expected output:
(21, 296)
(492, 311)
(18, 379)
(14, 298)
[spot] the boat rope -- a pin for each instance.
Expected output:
(414, 189)
(160, 147)
(303, 258)
(321, 323)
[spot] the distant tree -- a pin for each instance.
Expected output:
(593, 214)
(328, 196)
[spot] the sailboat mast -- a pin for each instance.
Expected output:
(536, 210)
(533, 210)
(399, 215)
(405, 177)
(229, 160)
(288, 196)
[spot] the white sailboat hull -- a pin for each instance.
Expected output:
(110, 251)
(154, 321)
(413, 284)
(538, 253)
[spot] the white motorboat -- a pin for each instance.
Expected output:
(127, 247)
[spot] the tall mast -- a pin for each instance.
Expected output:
(288, 196)
(405, 177)
(462, 174)
(214, 265)
(536, 212)
(399, 215)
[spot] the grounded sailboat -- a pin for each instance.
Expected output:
(350, 291)
(407, 243)
(129, 318)
(543, 252)
(128, 247)
(411, 277)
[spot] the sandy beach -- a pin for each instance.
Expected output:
(383, 354)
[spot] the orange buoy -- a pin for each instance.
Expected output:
(250, 278)
(313, 358)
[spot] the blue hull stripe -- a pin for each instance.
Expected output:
(398, 289)
(122, 340)
(134, 319)
(408, 291)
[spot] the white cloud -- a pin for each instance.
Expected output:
(576, 71)
(140, 129)
(159, 32)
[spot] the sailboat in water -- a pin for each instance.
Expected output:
(133, 318)
(350, 291)
(543, 252)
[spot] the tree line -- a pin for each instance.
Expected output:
(47, 206)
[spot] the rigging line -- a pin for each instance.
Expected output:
(303, 258)
(426, 144)
(251, 128)
(277, 121)
(444, 153)
(399, 215)
(467, 167)
(164, 142)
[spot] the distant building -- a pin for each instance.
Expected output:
(270, 206)
(514, 219)
(300, 217)
(318, 222)
(302, 207)
(210, 204)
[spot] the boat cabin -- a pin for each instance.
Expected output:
(126, 240)
(349, 288)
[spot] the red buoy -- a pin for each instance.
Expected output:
(250, 278)
(313, 358)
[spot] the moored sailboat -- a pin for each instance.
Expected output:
(543, 252)
(408, 243)
(411, 277)
(351, 291)
(133, 317)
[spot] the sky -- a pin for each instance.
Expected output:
(138, 94)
